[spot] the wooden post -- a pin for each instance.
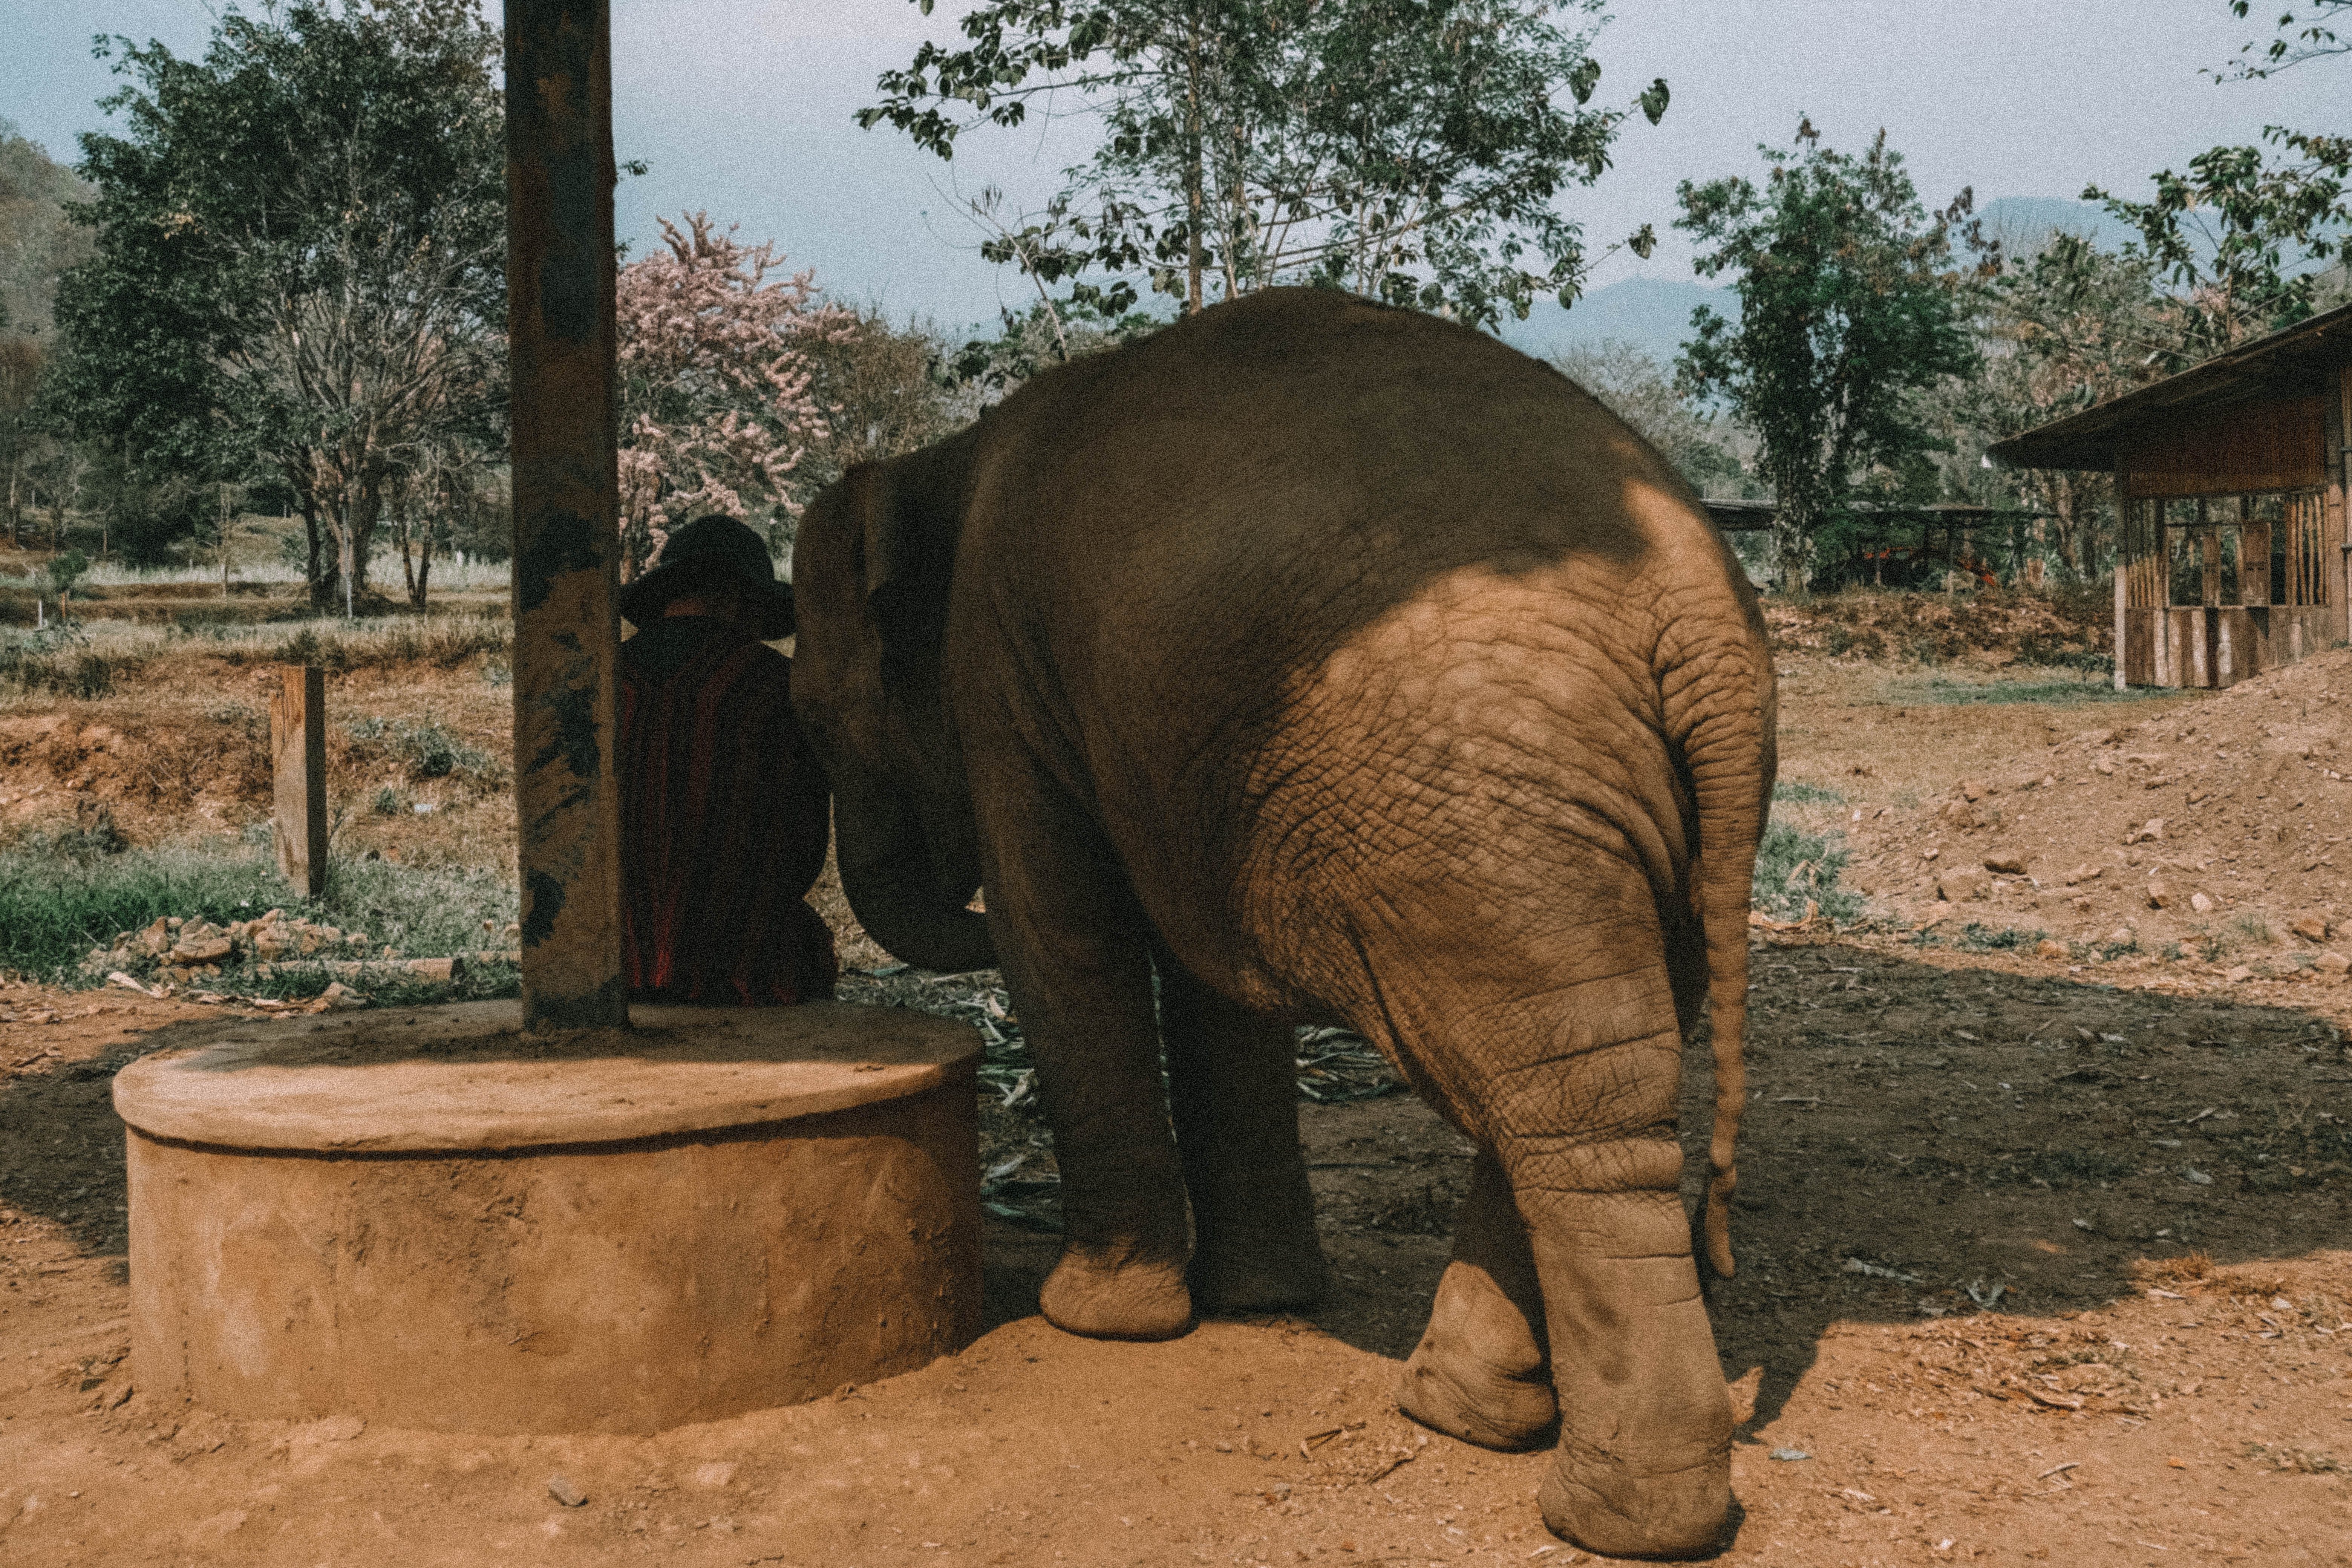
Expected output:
(297, 758)
(2122, 594)
(561, 342)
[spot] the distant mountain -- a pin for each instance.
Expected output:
(1654, 314)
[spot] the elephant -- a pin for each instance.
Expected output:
(1319, 660)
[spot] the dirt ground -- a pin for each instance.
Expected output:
(2045, 1253)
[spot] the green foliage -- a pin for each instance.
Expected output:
(65, 569)
(2302, 34)
(1789, 792)
(1053, 333)
(1794, 869)
(37, 241)
(2055, 693)
(300, 254)
(2244, 234)
(1409, 150)
(1848, 314)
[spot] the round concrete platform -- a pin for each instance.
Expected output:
(429, 1218)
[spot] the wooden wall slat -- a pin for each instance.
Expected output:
(2277, 443)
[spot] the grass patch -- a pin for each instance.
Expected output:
(1794, 869)
(425, 748)
(444, 642)
(2052, 693)
(1977, 938)
(59, 899)
(1788, 792)
(61, 662)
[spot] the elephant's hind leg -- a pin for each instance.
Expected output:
(1482, 1371)
(1234, 1095)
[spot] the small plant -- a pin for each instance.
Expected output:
(2254, 928)
(388, 802)
(66, 569)
(1788, 792)
(427, 749)
(1983, 938)
(1795, 869)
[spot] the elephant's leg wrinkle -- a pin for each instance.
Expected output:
(1233, 1099)
(1074, 952)
(1482, 1371)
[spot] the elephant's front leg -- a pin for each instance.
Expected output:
(1076, 953)
(1234, 1094)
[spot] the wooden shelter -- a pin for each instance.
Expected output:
(2230, 479)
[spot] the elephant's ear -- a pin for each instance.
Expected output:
(909, 513)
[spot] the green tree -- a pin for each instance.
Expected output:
(2307, 34)
(300, 258)
(1409, 150)
(1849, 311)
(37, 240)
(1639, 390)
(2248, 233)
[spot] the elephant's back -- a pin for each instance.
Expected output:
(1330, 592)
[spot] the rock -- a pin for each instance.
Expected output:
(2046, 948)
(2332, 963)
(1960, 815)
(436, 968)
(2146, 832)
(203, 949)
(2311, 927)
(2201, 903)
(339, 996)
(2159, 896)
(1958, 883)
(2008, 862)
(2105, 765)
(2123, 935)
(1971, 790)
(2238, 974)
(156, 939)
(564, 1492)
(714, 1476)
(2085, 873)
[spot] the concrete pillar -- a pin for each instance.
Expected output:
(560, 280)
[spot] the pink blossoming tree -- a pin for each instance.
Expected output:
(718, 405)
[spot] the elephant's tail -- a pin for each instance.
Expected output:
(1720, 714)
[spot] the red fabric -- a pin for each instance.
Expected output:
(724, 820)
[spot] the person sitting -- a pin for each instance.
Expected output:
(725, 813)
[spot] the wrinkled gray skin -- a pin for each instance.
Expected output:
(1336, 663)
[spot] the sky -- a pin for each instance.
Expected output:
(743, 108)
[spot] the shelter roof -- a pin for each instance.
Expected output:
(2293, 361)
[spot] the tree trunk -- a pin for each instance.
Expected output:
(320, 569)
(1196, 260)
(363, 516)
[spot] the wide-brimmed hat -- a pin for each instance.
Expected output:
(713, 554)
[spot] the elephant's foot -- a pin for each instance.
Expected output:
(1599, 1502)
(1259, 1274)
(1479, 1373)
(1104, 1299)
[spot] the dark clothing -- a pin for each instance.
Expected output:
(724, 819)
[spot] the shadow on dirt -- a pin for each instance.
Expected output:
(1921, 1142)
